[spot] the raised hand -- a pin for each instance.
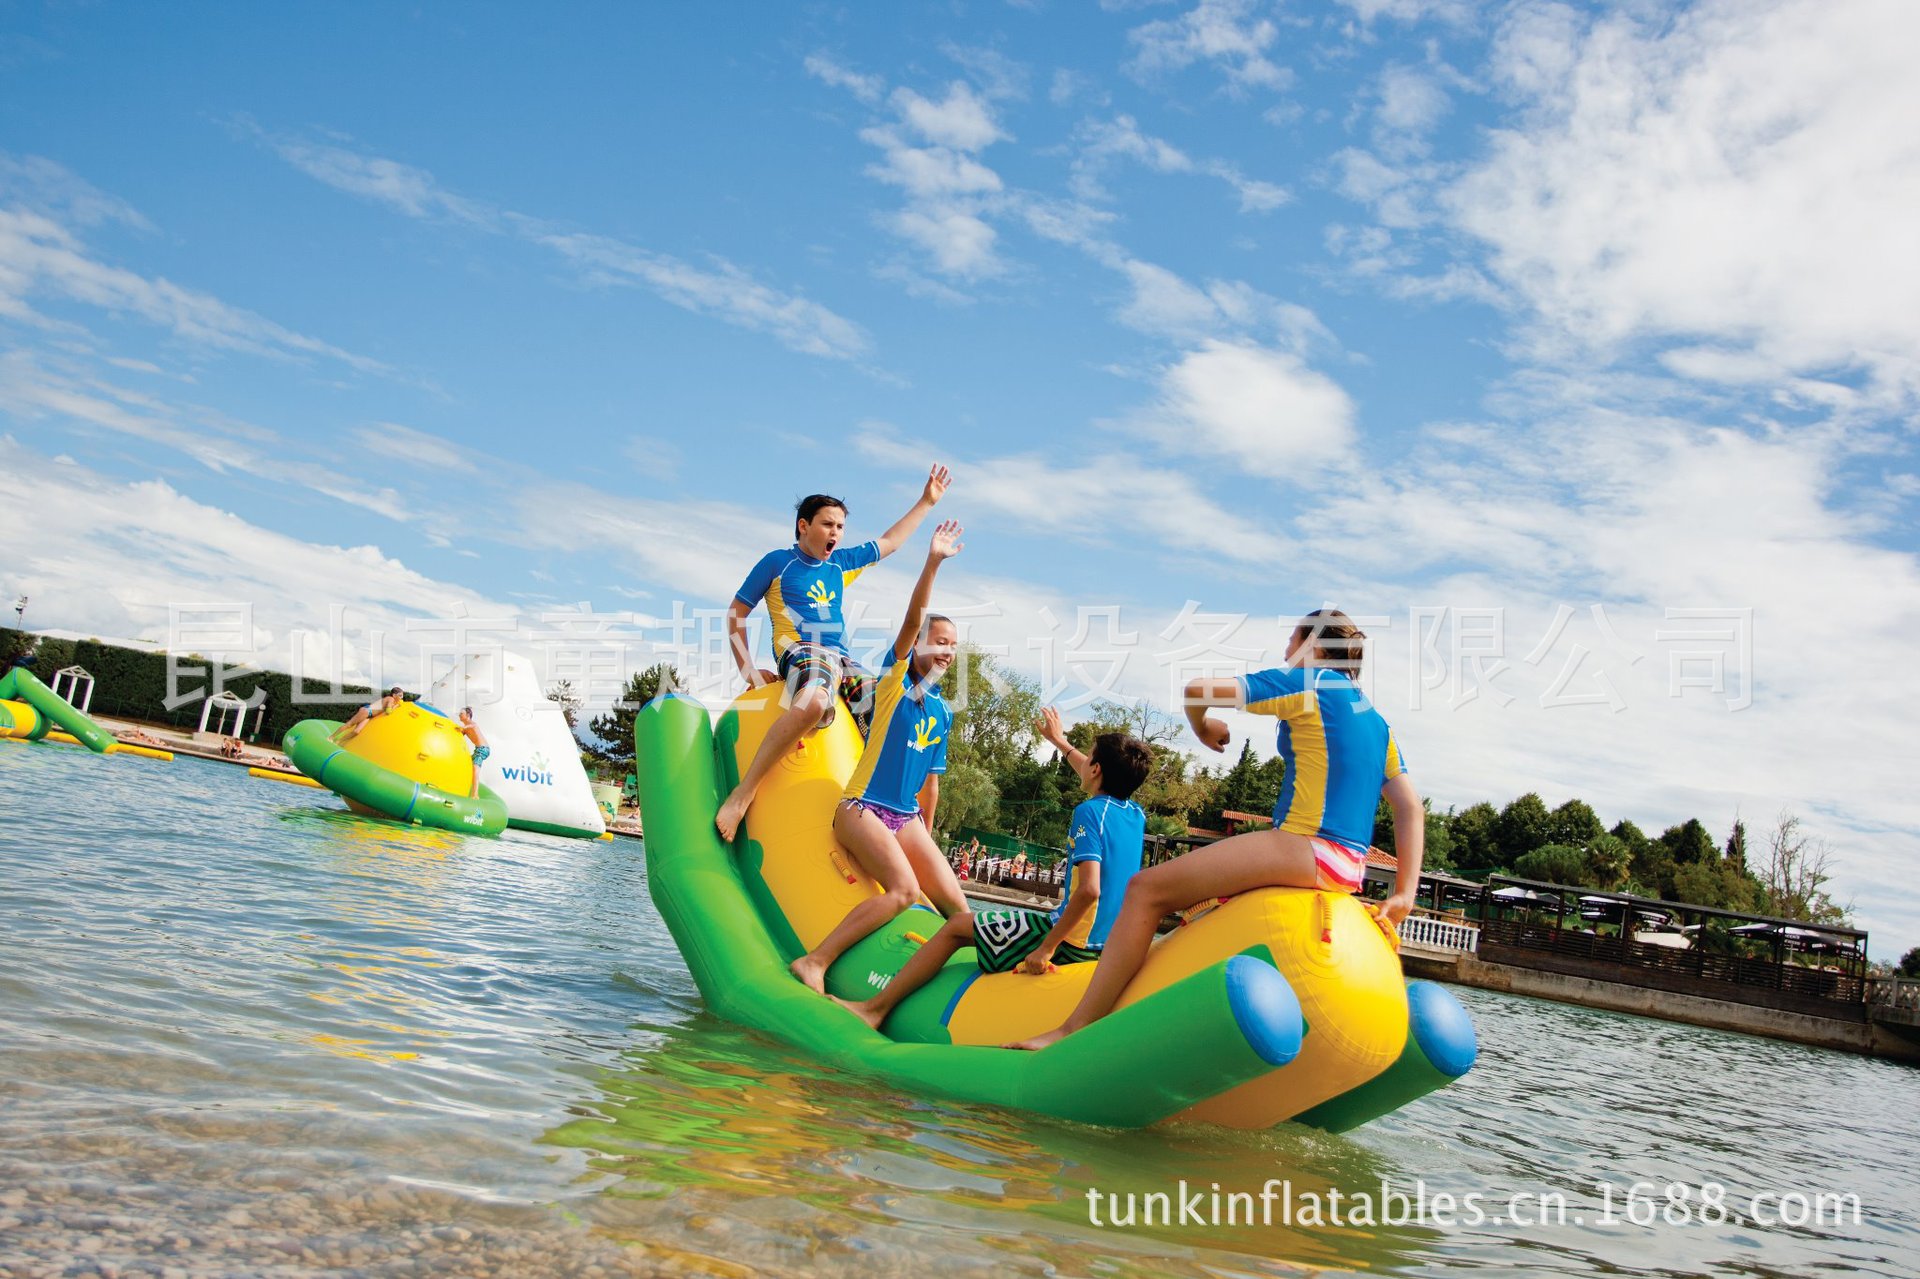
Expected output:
(946, 539)
(937, 480)
(1050, 729)
(1213, 734)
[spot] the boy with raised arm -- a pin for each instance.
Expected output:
(1103, 852)
(803, 585)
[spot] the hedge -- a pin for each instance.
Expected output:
(131, 684)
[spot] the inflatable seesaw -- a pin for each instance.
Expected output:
(33, 712)
(411, 764)
(1282, 1004)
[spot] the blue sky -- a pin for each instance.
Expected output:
(1395, 304)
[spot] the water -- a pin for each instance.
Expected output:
(244, 1033)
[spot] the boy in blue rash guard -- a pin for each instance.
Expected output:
(886, 814)
(1341, 759)
(803, 586)
(1103, 852)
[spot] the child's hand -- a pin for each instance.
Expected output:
(1038, 964)
(1050, 730)
(946, 541)
(937, 480)
(1213, 734)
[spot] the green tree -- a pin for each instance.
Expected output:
(1608, 862)
(1554, 864)
(968, 797)
(1910, 963)
(1574, 824)
(1689, 843)
(1475, 844)
(569, 701)
(1522, 827)
(994, 711)
(615, 728)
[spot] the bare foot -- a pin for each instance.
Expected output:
(863, 1010)
(811, 973)
(731, 813)
(1037, 1042)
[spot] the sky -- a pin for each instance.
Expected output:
(1572, 349)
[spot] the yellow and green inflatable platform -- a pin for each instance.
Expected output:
(1281, 1004)
(412, 764)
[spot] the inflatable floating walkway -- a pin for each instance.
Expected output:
(1282, 1004)
(33, 712)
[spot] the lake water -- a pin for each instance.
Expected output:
(245, 1033)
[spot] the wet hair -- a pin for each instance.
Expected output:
(808, 507)
(1336, 644)
(466, 710)
(396, 691)
(1124, 763)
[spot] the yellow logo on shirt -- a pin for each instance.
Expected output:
(923, 734)
(822, 597)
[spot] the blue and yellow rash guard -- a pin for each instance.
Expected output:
(804, 594)
(908, 741)
(1111, 832)
(1338, 750)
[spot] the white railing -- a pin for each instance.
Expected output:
(1439, 934)
(1895, 992)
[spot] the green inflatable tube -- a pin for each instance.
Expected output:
(21, 685)
(1201, 1036)
(310, 745)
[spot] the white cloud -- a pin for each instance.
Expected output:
(31, 391)
(1260, 410)
(930, 151)
(145, 546)
(40, 258)
(1103, 142)
(36, 183)
(961, 120)
(1411, 101)
(867, 88)
(412, 191)
(1457, 13)
(722, 290)
(416, 448)
(725, 292)
(1223, 32)
(997, 75)
(961, 243)
(1089, 501)
(1730, 174)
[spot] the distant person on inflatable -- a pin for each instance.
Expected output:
(392, 699)
(885, 817)
(1340, 757)
(1107, 833)
(480, 748)
(803, 586)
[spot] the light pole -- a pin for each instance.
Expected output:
(20, 613)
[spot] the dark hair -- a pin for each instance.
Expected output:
(1337, 644)
(1124, 763)
(808, 507)
(396, 691)
(926, 623)
(466, 710)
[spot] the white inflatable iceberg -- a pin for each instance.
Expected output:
(534, 764)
